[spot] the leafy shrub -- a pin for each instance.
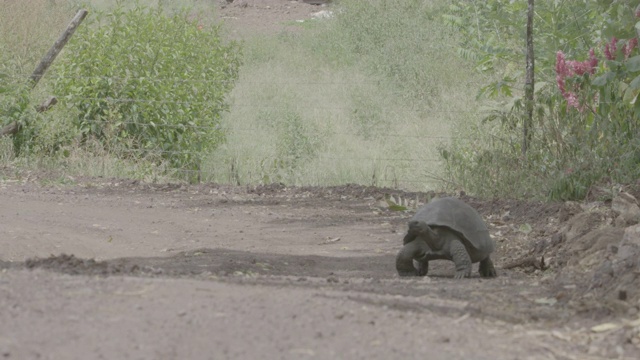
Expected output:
(15, 105)
(586, 114)
(146, 84)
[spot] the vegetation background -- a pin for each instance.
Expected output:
(414, 94)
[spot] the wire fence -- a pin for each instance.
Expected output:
(383, 168)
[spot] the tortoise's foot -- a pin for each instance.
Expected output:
(460, 258)
(461, 274)
(486, 268)
(422, 267)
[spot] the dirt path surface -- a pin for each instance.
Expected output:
(245, 18)
(133, 271)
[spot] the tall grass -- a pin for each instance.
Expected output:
(29, 27)
(201, 10)
(365, 97)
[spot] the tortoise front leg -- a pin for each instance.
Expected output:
(404, 260)
(409, 237)
(422, 267)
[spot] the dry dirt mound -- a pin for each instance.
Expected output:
(593, 257)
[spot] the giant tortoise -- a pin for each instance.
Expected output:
(449, 229)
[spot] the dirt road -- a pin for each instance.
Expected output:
(212, 272)
(111, 269)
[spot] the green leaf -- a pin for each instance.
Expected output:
(633, 64)
(635, 83)
(630, 95)
(603, 79)
(525, 228)
(540, 85)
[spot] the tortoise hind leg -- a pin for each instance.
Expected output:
(460, 258)
(486, 268)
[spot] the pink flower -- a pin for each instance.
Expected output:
(560, 81)
(561, 71)
(629, 46)
(561, 65)
(593, 61)
(610, 49)
(579, 67)
(572, 100)
(571, 68)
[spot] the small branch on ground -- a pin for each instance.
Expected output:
(9, 129)
(329, 241)
(47, 104)
(530, 261)
(14, 127)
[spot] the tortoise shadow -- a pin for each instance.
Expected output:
(219, 261)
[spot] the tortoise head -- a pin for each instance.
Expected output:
(423, 230)
(419, 227)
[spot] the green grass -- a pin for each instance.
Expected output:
(353, 127)
(28, 28)
(83, 161)
(366, 97)
(373, 110)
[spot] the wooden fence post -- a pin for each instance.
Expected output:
(529, 83)
(47, 60)
(57, 47)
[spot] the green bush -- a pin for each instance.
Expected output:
(146, 84)
(15, 104)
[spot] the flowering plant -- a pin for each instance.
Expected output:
(570, 69)
(612, 88)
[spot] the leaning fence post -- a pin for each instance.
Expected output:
(57, 47)
(47, 60)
